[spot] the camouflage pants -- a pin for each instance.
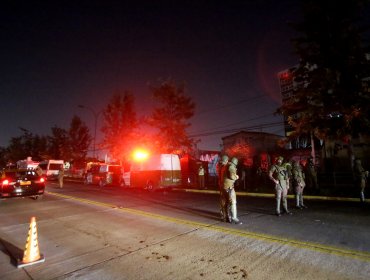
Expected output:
(281, 193)
(299, 195)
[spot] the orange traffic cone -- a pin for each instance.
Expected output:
(31, 252)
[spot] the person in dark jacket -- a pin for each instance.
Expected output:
(360, 176)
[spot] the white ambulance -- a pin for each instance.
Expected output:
(155, 172)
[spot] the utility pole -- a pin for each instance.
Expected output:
(96, 116)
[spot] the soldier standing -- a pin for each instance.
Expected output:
(38, 170)
(298, 184)
(61, 176)
(201, 177)
(221, 168)
(230, 177)
(360, 176)
(311, 175)
(279, 175)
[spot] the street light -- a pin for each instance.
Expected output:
(96, 116)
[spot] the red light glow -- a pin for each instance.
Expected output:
(140, 155)
(5, 182)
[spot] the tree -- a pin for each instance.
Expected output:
(3, 157)
(58, 143)
(329, 98)
(26, 145)
(171, 118)
(120, 124)
(79, 139)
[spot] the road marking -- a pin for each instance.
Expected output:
(271, 195)
(360, 255)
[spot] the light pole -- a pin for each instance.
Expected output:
(96, 116)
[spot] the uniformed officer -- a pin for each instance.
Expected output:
(360, 176)
(230, 177)
(298, 184)
(279, 175)
(311, 176)
(221, 168)
(201, 177)
(61, 176)
(38, 170)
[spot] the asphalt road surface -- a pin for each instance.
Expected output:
(88, 232)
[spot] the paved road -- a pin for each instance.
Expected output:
(87, 232)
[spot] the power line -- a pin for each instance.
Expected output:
(235, 123)
(234, 130)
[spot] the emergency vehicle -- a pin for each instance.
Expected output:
(155, 172)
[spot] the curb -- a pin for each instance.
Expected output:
(291, 196)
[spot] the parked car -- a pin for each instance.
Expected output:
(21, 182)
(103, 174)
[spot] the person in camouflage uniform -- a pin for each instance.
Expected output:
(360, 176)
(279, 175)
(61, 176)
(311, 176)
(230, 177)
(221, 168)
(298, 184)
(38, 170)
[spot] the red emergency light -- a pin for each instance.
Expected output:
(5, 182)
(140, 155)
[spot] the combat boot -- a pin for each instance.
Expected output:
(285, 206)
(297, 202)
(362, 197)
(234, 219)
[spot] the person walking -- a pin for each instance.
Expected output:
(298, 184)
(221, 168)
(61, 176)
(278, 173)
(230, 177)
(201, 177)
(360, 176)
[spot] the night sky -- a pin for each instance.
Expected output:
(58, 54)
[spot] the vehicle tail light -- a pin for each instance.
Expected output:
(42, 180)
(5, 182)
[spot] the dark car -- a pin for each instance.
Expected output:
(21, 182)
(104, 174)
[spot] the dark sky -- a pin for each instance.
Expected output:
(55, 55)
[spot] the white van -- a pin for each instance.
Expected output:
(157, 171)
(50, 168)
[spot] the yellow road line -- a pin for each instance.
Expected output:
(360, 255)
(311, 197)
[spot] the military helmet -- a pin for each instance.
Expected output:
(234, 160)
(224, 159)
(279, 158)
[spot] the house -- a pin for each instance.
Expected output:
(251, 144)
